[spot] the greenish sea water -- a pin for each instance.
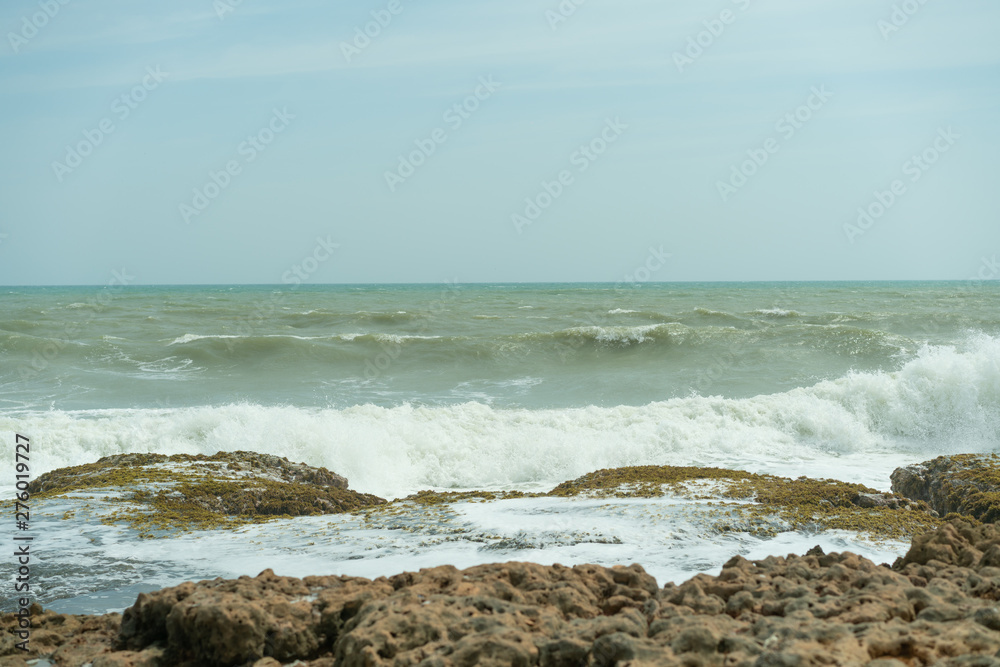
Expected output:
(450, 386)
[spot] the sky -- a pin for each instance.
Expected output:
(396, 141)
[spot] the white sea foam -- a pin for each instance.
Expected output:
(857, 427)
(190, 338)
(775, 312)
(622, 335)
(167, 366)
(383, 338)
(672, 538)
(399, 338)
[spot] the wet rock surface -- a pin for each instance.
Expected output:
(154, 492)
(966, 484)
(935, 606)
(777, 503)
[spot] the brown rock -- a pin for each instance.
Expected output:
(183, 492)
(967, 484)
(937, 605)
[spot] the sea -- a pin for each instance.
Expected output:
(451, 386)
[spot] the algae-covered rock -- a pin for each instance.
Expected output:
(794, 503)
(966, 484)
(227, 489)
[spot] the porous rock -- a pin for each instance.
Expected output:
(158, 493)
(938, 605)
(965, 484)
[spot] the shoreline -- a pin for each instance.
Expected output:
(237, 507)
(936, 605)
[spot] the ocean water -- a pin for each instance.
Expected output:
(449, 387)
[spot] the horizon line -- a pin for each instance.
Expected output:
(623, 284)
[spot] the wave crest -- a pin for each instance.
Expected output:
(944, 400)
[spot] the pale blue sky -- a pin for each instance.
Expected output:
(678, 131)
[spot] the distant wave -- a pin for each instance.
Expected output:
(618, 335)
(384, 338)
(653, 338)
(775, 312)
(386, 317)
(718, 316)
(190, 338)
(943, 400)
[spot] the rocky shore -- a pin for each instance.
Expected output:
(967, 484)
(937, 605)
(161, 495)
(157, 494)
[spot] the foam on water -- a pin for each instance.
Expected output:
(490, 387)
(775, 312)
(944, 400)
(672, 538)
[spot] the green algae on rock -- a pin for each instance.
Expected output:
(961, 484)
(153, 492)
(735, 500)
(798, 503)
(446, 497)
(164, 493)
(642, 481)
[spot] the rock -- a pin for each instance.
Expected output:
(936, 605)
(563, 653)
(778, 503)
(153, 492)
(267, 662)
(967, 484)
(873, 500)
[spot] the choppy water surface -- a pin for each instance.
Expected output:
(402, 388)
